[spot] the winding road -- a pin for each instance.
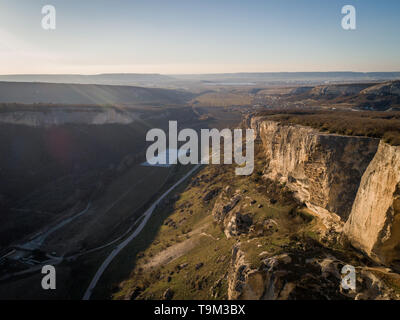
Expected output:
(135, 233)
(38, 241)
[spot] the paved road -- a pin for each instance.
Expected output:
(38, 241)
(122, 245)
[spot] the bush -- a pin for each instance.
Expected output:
(392, 137)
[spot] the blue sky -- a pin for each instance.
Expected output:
(185, 36)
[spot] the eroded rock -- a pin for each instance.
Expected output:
(322, 170)
(312, 274)
(374, 222)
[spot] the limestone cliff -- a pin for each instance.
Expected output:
(71, 115)
(323, 170)
(354, 178)
(374, 222)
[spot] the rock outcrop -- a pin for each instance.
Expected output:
(227, 213)
(244, 282)
(374, 222)
(323, 170)
(311, 275)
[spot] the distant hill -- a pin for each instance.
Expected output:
(366, 96)
(107, 79)
(380, 89)
(29, 92)
(384, 89)
(340, 89)
(290, 77)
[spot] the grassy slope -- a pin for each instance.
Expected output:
(194, 222)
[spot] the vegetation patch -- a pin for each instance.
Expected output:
(382, 125)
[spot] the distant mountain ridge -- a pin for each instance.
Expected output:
(107, 78)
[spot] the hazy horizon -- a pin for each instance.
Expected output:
(199, 73)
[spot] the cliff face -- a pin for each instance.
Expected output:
(354, 178)
(323, 170)
(63, 116)
(374, 223)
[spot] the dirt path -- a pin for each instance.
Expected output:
(172, 253)
(178, 250)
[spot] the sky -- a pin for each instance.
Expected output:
(202, 36)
